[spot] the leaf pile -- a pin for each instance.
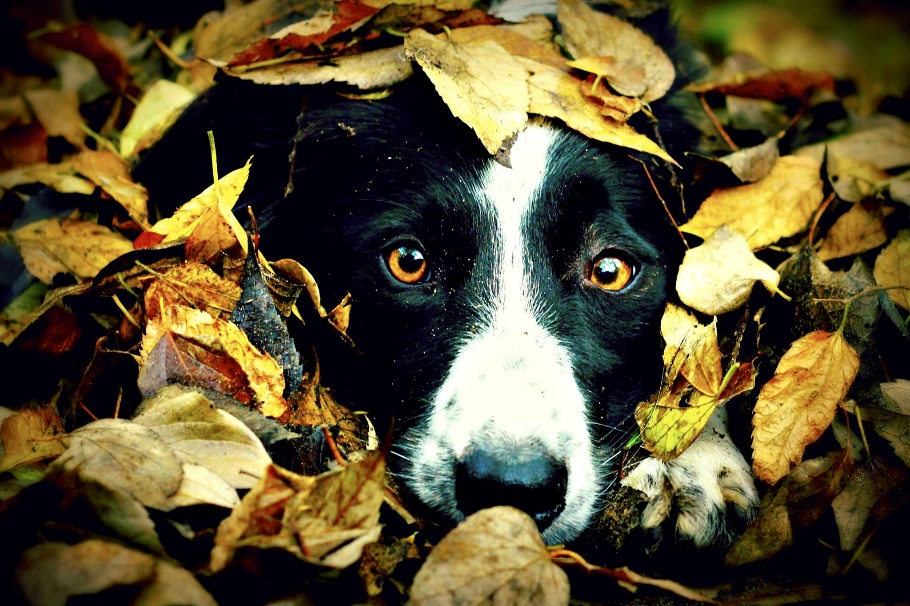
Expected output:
(166, 440)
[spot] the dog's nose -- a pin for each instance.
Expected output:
(535, 483)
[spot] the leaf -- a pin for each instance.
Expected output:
(221, 339)
(691, 349)
(58, 113)
(125, 456)
(112, 175)
(751, 164)
(61, 177)
(192, 284)
(717, 277)
(773, 85)
(885, 146)
(797, 502)
(637, 67)
(798, 403)
(496, 556)
(778, 206)
(865, 487)
(59, 574)
(186, 219)
(30, 435)
(158, 108)
(556, 94)
(892, 268)
(514, 40)
(858, 230)
(203, 435)
(481, 82)
(892, 421)
(373, 69)
(80, 248)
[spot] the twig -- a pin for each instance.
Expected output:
(717, 125)
(662, 201)
(165, 49)
(818, 216)
(333, 447)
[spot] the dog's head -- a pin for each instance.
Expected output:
(507, 316)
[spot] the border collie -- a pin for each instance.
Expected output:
(507, 316)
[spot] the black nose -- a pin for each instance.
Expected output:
(533, 482)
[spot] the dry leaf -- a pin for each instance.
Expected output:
(58, 113)
(691, 349)
(220, 338)
(481, 82)
(637, 68)
(796, 406)
(495, 556)
(778, 206)
(192, 284)
(885, 146)
(799, 501)
(751, 164)
(373, 69)
(854, 180)
(892, 421)
(125, 456)
(864, 488)
(513, 40)
(112, 175)
(203, 435)
(859, 229)
(158, 108)
(30, 435)
(717, 277)
(556, 94)
(81, 248)
(773, 85)
(892, 268)
(61, 177)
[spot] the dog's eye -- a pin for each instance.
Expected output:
(407, 263)
(610, 271)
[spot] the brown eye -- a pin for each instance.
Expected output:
(408, 264)
(611, 272)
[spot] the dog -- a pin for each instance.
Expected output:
(508, 317)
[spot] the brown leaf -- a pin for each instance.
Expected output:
(865, 487)
(637, 67)
(83, 39)
(58, 113)
(31, 435)
(799, 501)
(111, 174)
(798, 403)
(858, 230)
(892, 268)
(751, 164)
(556, 94)
(81, 248)
(717, 277)
(778, 206)
(192, 284)
(496, 556)
(773, 85)
(125, 456)
(481, 82)
(220, 338)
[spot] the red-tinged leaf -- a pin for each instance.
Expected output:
(81, 38)
(774, 85)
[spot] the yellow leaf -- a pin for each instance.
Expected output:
(691, 348)
(892, 268)
(481, 82)
(859, 229)
(158, 108)
(192, 284)
(799, 402)
(778, 206)
(81, 248)
(515, 41)
(61, 177)
(218, 233)
(112, 175)
(717, 277)
(635, 66)
(58, 113)
(29, 436)
(221, 338)
(556, 94)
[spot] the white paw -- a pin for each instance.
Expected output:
(709, 488)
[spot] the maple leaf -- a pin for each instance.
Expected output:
(799, 402)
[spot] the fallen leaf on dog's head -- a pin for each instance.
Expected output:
(796, 406)
(691, 349)
(807, 492)
(718, 276)
(215, 338)
(80, 248)
(481, 82)
(496, 556)
(28, 436)
(556, 94)
(859, 229)
(326, 519)
(627, 57)
(513, 40)
(892, 268)
(778, 206)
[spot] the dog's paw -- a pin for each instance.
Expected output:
(709, 489)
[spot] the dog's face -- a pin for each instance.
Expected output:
(507, 316)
